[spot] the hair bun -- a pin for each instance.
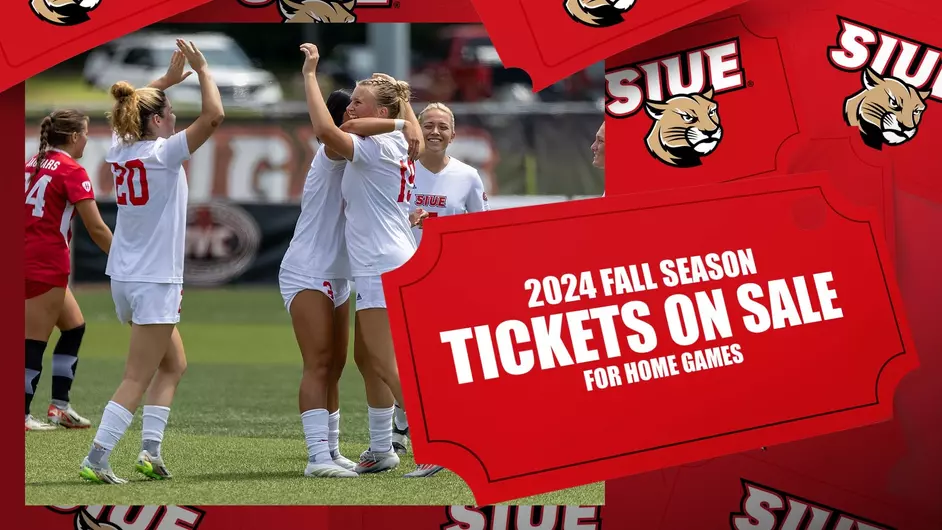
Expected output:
(122, 90)
(404, 90)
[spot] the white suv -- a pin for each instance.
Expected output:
(142, 57)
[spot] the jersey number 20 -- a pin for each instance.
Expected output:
(130, 183)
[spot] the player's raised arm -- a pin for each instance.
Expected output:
(415, 151)
(175, 73)
(94, 224)
(324, 126)
(374, 126)
(212, 112)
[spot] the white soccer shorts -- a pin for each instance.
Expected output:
(144, 303)
(369, 292)
(291, 283)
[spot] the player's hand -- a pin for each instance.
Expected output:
(193, 54)
(175, 74)
(311, 58)
(413, 138)
(417, 216)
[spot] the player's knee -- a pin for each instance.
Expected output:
(173, 369)
(388, 372)
(338, 362)
(317, 371)
(362, 358)
(180, 367)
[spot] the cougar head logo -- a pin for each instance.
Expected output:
(598, 13)
(685, 129)
(887, 110)
(330, 11)
(84, 521)
(63, 12)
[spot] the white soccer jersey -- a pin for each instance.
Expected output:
(318, 248)
(151, 193)
(377, 188)
(457, 188)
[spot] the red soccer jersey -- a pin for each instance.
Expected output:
(51, 195)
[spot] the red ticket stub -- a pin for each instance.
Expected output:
(38, 34)
(716, 100)
(552, 40)
(656, 329)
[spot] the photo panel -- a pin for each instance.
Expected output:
(246, 185)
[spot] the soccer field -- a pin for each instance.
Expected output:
(234, 435)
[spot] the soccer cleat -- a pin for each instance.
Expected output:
(342, 461)
(67, 418)
(424, 470)
(152, 466)
(400, 440)
(32, 424)
(376, 462)
(99, 474)
(330, 470)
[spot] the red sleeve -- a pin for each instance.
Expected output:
(78, 187)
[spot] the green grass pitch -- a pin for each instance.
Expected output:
(234, 435)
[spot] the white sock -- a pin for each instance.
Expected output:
(155, 422)
(380, 429)
(400, 418)
(114, 422)
(315, 435)
(333, 431)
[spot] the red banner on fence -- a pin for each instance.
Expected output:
(722, 319)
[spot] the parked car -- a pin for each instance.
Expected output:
(142, 57)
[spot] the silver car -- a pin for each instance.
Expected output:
(142, 57)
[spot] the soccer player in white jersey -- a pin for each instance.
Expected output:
(146, 259)
(377, 189)
(315, 286)
(444, 185)
(598, 148)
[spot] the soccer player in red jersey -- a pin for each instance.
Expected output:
(56, 187)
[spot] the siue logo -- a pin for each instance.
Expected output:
(764, 508)
(315, 11)
(678, 93)
(128, 517)
(63, 12)
(522, 517)
(598, 13)
(898, 76)
(432, 201)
